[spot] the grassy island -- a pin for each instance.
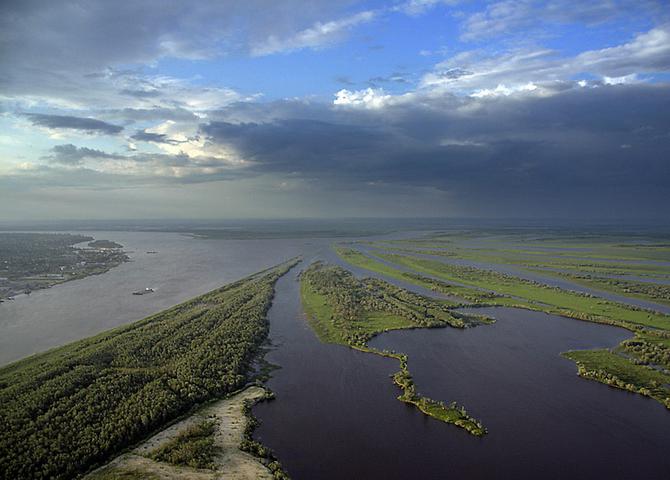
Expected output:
(71, 409)
(104, 244)
(640, 364)
(344, 310)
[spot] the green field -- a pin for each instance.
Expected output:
(617, 371)
(549, 299)
(193, 447)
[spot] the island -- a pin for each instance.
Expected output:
(72, 409)
(342, 309)
(104, 244)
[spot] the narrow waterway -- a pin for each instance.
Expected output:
(532, 276)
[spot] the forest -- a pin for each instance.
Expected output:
(70, 409)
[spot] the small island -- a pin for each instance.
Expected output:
(104, 244)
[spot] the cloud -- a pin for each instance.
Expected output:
(106, 57)
(419, 7)
(74, 166)
(89, 125)
(144, 136)
(317, 36)
(510, 127)
(475, 71)
(491, 153)
(68, 154)
(368, 98)
(521, 17)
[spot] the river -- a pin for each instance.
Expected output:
(336, 415)
(182, 268)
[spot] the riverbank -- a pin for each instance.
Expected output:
(229, 461)
(35, 261)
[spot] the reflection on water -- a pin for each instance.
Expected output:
(336, 415)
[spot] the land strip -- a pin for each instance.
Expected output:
(73, 408)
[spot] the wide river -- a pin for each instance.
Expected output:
(182, 268)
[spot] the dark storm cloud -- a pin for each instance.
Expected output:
(85, 124)
(607, 145)
(144, 136)
(68, 154)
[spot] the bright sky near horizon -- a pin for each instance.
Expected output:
(171, 109)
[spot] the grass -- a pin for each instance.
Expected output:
(646, 291)
(193, 447)
(640, 364)
(614, 370)
(461, 295)
(355, 328)
(319, 313)
(549, 299)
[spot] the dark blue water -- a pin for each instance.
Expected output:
(336, 415)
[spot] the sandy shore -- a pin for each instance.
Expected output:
(231, 462)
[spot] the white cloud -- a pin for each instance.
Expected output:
(419, 7)
(519, 17)
(368, 98)
(502, 90)
(626, 79)
(647, 52)
(317, 36)
(483, 74)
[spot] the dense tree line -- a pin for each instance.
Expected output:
(68, 410)
(654, 291)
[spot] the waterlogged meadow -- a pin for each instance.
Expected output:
(639, 365)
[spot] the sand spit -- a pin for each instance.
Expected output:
(231, 462)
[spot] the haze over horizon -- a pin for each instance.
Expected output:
(151, 109)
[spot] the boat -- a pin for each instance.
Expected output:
(144, 292)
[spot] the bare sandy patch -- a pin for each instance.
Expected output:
(230, 462)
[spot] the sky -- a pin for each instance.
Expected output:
(262, 109)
